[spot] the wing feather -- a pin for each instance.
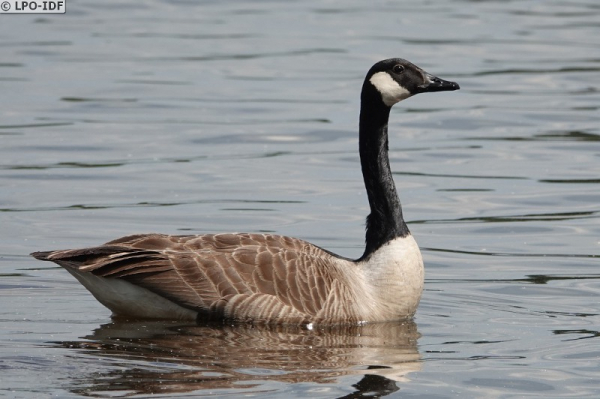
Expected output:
(240, 276)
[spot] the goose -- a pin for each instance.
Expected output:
(273, 279)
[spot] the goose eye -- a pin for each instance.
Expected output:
(398, 68)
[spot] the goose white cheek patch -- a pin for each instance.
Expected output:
(391, 92)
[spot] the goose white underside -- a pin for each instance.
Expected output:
(129, 300)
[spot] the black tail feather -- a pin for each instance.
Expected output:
(81, 255)
(41, 255)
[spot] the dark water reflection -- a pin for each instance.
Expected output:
(162, 357)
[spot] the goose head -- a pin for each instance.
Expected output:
(396, 79)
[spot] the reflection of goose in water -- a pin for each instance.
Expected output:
(168, 357)
(269, 278)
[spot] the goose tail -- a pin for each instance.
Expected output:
(42, 255)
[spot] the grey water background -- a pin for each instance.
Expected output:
(193, 117)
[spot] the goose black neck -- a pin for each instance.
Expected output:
(385, 222)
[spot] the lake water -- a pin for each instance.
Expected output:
(194, 117)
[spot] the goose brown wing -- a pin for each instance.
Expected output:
(240, 276)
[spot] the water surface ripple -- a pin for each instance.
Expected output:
(196, 117)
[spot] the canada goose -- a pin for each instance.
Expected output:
(268, 278)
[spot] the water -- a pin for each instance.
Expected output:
(186, 118)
